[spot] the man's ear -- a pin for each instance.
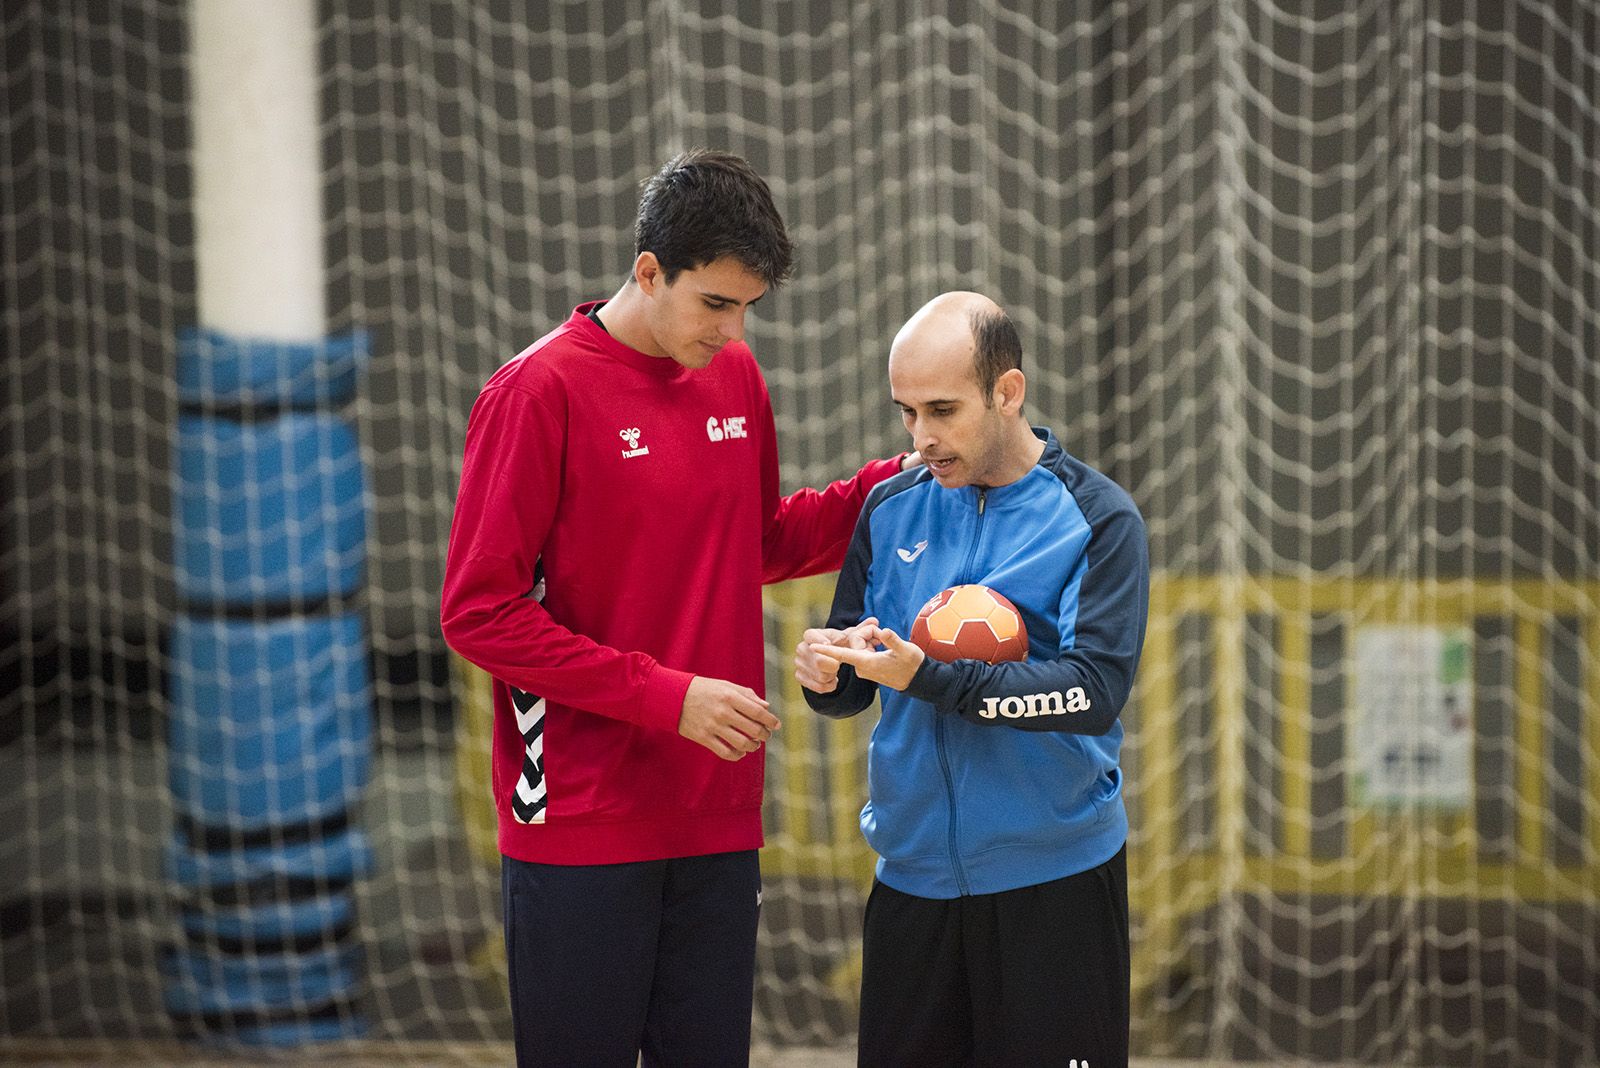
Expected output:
(1010, 390)
(647, 273)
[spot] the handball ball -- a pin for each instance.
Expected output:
(970, 622)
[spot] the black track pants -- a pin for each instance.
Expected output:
(1026, 978)
(608, 960)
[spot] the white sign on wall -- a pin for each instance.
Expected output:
(1410, 720)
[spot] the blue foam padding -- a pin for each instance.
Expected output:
(301, 1033)
(337, 858)
(270, 722)
(261, 982)
(268, 511)
(217, 369)
(285, 920)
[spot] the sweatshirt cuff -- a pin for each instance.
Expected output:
(876, 471)
(661, 704)
(932, 680)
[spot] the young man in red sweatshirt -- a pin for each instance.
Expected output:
(618, 514)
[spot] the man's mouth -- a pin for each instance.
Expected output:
(940, 466)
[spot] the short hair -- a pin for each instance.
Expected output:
(703, 205)
(999, 349)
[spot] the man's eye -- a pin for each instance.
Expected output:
(941, 412)
(714, 306)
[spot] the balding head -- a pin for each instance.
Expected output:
(963, 333)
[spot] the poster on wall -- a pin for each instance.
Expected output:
(1411, 716)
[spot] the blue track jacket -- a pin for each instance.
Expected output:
(989, 777)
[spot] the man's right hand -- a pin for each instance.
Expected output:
(728, 719)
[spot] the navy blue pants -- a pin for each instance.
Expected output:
(1028, 978)
(611, 960)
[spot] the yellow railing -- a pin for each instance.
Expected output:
(1529, 607)
(1396, 852)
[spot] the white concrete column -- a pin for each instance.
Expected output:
(257, 169)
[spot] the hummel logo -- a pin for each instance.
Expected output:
(912, 553)
(630, 438)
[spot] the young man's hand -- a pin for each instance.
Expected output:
(728, 719)
(821, 674)
(892, 666)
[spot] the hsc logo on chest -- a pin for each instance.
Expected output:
(726, 429)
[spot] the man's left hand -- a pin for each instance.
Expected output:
(821, 674)
(892, 666)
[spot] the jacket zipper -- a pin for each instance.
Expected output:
(938, 726)
(977, 536)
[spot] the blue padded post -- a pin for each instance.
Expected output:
(270, 725)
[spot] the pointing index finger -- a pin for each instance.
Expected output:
(842, 654)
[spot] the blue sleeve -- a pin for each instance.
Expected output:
(1083, 689)
(853, 694)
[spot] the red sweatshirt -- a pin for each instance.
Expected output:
(645, 496)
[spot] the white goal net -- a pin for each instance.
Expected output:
(1318, 283)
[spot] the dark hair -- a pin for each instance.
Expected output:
(703, 205)
(999, 349)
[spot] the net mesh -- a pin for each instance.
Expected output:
(1316, 282)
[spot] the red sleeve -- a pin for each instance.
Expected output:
(807, 532)
(510, 484)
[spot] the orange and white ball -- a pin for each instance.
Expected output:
(971, 622)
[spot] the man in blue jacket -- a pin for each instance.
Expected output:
(997, 928)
